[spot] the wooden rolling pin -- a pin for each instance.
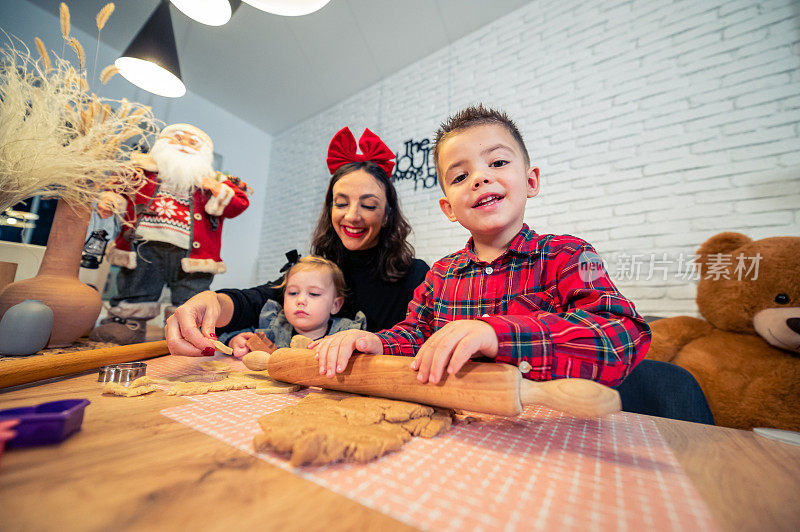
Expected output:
(35, 368)
(488, 388)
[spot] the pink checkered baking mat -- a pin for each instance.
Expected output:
(540, 470)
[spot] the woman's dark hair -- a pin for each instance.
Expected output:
(395, 254)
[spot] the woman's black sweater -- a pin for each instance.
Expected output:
(383, 303)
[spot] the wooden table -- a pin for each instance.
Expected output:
(132, 468)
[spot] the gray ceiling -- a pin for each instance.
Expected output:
(275, 71)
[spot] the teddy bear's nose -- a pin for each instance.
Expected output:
(794, 324)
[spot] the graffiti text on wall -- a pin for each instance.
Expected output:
(416, 164)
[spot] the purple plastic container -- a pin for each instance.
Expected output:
(45, 423)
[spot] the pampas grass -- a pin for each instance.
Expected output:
(107, 73)
(63, 18)
(103, 15)
(124, 108)
(58, 139)
(101, 19)
(76, 45)
(45, 57)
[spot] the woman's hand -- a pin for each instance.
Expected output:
(190, 330)
(334, 351)
(239, 344)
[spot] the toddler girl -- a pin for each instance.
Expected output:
(314, 289)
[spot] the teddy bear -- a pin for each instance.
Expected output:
(745, 354)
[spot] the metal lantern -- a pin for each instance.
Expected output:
(94, 249)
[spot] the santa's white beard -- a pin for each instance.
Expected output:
(181, 172)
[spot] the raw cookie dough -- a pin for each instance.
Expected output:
(266, 384)
(189, 388)
(326, 428)
(262, 375)
(215, 378)
(115, 388)
(428, 427)
(214, 365)
(234, 380)
(274, 386)
(143, 381)
(199, 388)
(222, 348)
(300, 342)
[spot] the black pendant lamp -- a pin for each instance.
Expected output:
(210, 12)
(151, 60)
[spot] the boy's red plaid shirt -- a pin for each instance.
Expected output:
(555, 312)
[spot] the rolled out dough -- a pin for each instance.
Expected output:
(115, 388)
(215, 378)
(299, 341)
(214, 365)
(146, 380)
(327, 428)
(260, 381)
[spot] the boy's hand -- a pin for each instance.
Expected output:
(239, 344)
(334, 351)
(453, 345)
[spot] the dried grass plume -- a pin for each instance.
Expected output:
(107, 73)
(75, 45)
(103, 15)
(45, 57)
(57, 138)
(63, 17)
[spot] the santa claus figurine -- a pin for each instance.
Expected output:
(171, 232)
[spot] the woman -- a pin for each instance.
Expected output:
(360, 228)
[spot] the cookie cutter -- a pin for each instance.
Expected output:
(123, 373)
(45, 423)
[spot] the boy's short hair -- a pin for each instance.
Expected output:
(313, 262)
(474, 115)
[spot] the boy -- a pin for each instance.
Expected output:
(541, 302)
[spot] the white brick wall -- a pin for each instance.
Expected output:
(656, 124)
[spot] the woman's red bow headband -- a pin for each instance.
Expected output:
(342, 150)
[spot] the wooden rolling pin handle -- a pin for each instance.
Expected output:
(30, 369)
(256, 360)
(577, 397)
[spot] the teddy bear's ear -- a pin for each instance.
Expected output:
(723, 243)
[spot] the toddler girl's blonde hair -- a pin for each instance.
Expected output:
(313, 262)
